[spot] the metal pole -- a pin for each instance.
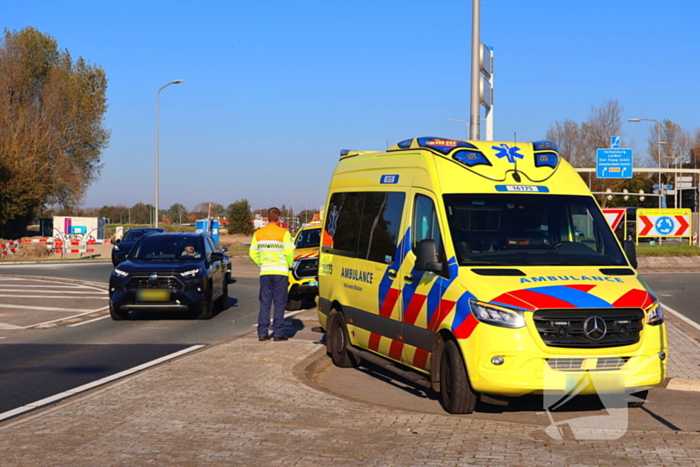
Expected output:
(475, 130)
(658, 141)
(177, 81)
(465, 124)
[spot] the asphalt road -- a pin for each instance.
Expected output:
(39, 362)
(46, 361)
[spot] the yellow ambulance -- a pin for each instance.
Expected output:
(484, 270)
(303, 277)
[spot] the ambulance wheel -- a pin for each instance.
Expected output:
(117, 313)
(293, 303)
(337, 341)
(641, 395)
(456, 393)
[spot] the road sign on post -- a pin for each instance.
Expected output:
(614, 163)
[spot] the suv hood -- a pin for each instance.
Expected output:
(173, 267)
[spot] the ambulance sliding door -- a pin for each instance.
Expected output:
(421, 290)
(379, 257)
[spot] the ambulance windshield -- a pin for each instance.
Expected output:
(530, 229)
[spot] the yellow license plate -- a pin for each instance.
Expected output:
(153, 295)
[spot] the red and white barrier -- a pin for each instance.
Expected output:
(9, 248)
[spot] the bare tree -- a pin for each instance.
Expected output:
(675, 144)
(578, 143)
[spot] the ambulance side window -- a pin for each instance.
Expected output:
(381, 220)
(343, 223)
(425, 224)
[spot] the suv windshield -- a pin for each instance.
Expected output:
(134, 234)
(308, 238)
(533, 229)
(167, 248)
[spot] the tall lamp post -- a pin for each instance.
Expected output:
(658, 141)
(465, 123)
(177, 81)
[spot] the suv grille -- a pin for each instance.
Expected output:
(565, 328)
(163, 282)
(306, 268)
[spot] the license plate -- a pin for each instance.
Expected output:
(152, 295)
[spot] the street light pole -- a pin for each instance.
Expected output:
(658, 142)
(465, 123)
(177, 81)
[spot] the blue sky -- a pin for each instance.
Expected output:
(273, 90)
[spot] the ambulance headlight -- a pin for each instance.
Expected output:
(497, 315)
(655, 316)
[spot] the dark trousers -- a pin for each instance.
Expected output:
(273, 289)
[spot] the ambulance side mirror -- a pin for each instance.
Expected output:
(631, 252)
(426, 256)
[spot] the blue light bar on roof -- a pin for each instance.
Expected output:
(545, 145)
(443, 145)
(470, 158)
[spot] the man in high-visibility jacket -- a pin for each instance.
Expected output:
(272, 251)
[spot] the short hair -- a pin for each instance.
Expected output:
(273, 214)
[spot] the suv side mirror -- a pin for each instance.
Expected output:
(426, 256)
(631, 252)
(116, 242)
(216, 256)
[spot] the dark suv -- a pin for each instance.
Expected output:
(172, 272)
(122, 247)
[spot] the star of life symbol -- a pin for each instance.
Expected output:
(509, 153)
(333, 221)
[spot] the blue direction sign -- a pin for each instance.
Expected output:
(614, 163)
(615, 142)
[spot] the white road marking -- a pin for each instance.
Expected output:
(49, 296)
(5, 326)
(66, 318)
(34, 286)
(88, 321)
(680, 316)
(47, 308)
(94, 384)
(45, 291)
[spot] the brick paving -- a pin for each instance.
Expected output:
(242, 403)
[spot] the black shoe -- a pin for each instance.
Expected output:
(281, 339)
(264, 338)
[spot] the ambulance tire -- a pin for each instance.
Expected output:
(640, 399)
(337, 341)
(293, 303)
(456, 394)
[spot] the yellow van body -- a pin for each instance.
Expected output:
(528, 279)
(303, 277)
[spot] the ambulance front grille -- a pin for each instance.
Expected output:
(613, 327)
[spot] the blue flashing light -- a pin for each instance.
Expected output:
(344, 152)
(443, 145)
(405, 144)
(546, 159)
(471, 158)
(545, 145)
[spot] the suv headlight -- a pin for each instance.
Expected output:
(655, 315)
(120, 273)
(497, 315)
(189, 273)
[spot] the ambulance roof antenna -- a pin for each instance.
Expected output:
(516, 175)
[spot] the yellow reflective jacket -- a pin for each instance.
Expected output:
(272, 250)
